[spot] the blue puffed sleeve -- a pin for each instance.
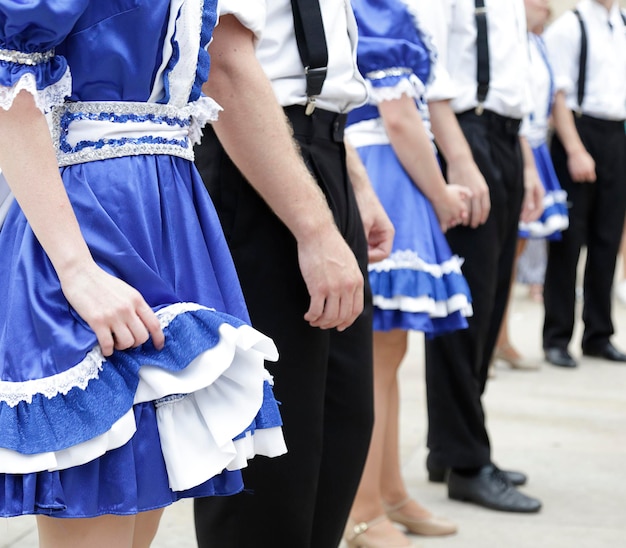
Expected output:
(29, 32)
(392, 51)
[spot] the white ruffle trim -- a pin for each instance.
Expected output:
(12, 393)
(45, 99)
(424, 304)
(202, 111)
(554, 223)
(223, 392)
(541, 229)
(118, 435)
(410, 260)
(197, 431)
(410, 85)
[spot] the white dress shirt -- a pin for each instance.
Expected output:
(277, 50)
(509, 94)
(605, 87)
(431, 16)
(535, 126)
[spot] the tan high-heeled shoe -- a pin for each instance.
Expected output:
(356, 535)
(432, 526)
(506, 353)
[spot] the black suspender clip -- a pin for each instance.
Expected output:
(315, 80)
(311, 40)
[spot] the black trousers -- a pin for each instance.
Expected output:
(596, 220)
(457, 363)
(323, 378)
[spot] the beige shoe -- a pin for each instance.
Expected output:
(356, 535)
(432, 526)
(509, 355)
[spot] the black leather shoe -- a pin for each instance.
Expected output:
(438, 475)
(606, 352)
(492, 489)
(560, 357)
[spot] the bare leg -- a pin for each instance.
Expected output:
(392, 484)
(135, 531)
(146, 526)
(100, 532)
(389, 350)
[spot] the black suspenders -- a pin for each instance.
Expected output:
(482, 54)
(582, 60)
(582, 63)
(311, 39)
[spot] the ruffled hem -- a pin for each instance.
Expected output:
(208, 384)
(550, 227)
(386, 320)
(45, 99)
(123, 481)
(407, 284)
(553, 221)
(426, 305)
(410, 260)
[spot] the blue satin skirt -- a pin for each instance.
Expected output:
(555, 217)
(420, 286)
(82, 435)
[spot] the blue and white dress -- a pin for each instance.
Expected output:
(420, 285)
(83, 435)
(555, 218)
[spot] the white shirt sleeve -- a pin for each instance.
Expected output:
(250, 13)
(562, 38)
(432, 16)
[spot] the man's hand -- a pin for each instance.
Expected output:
(532, 206)
(581, 166)
(279, 175)
(333, 279)
(378, 228)
(461, 167)
(466, 174)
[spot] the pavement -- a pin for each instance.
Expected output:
(565, 428)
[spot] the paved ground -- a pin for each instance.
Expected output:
(565, 428)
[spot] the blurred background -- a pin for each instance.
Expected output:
(561, 5)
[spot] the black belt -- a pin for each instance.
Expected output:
(600, 123)
(320, 124)
(497, 122)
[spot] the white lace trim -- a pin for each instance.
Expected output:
(12, 393)
(45, 99)
(426, 305)
(411, 86)
(408, 259)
